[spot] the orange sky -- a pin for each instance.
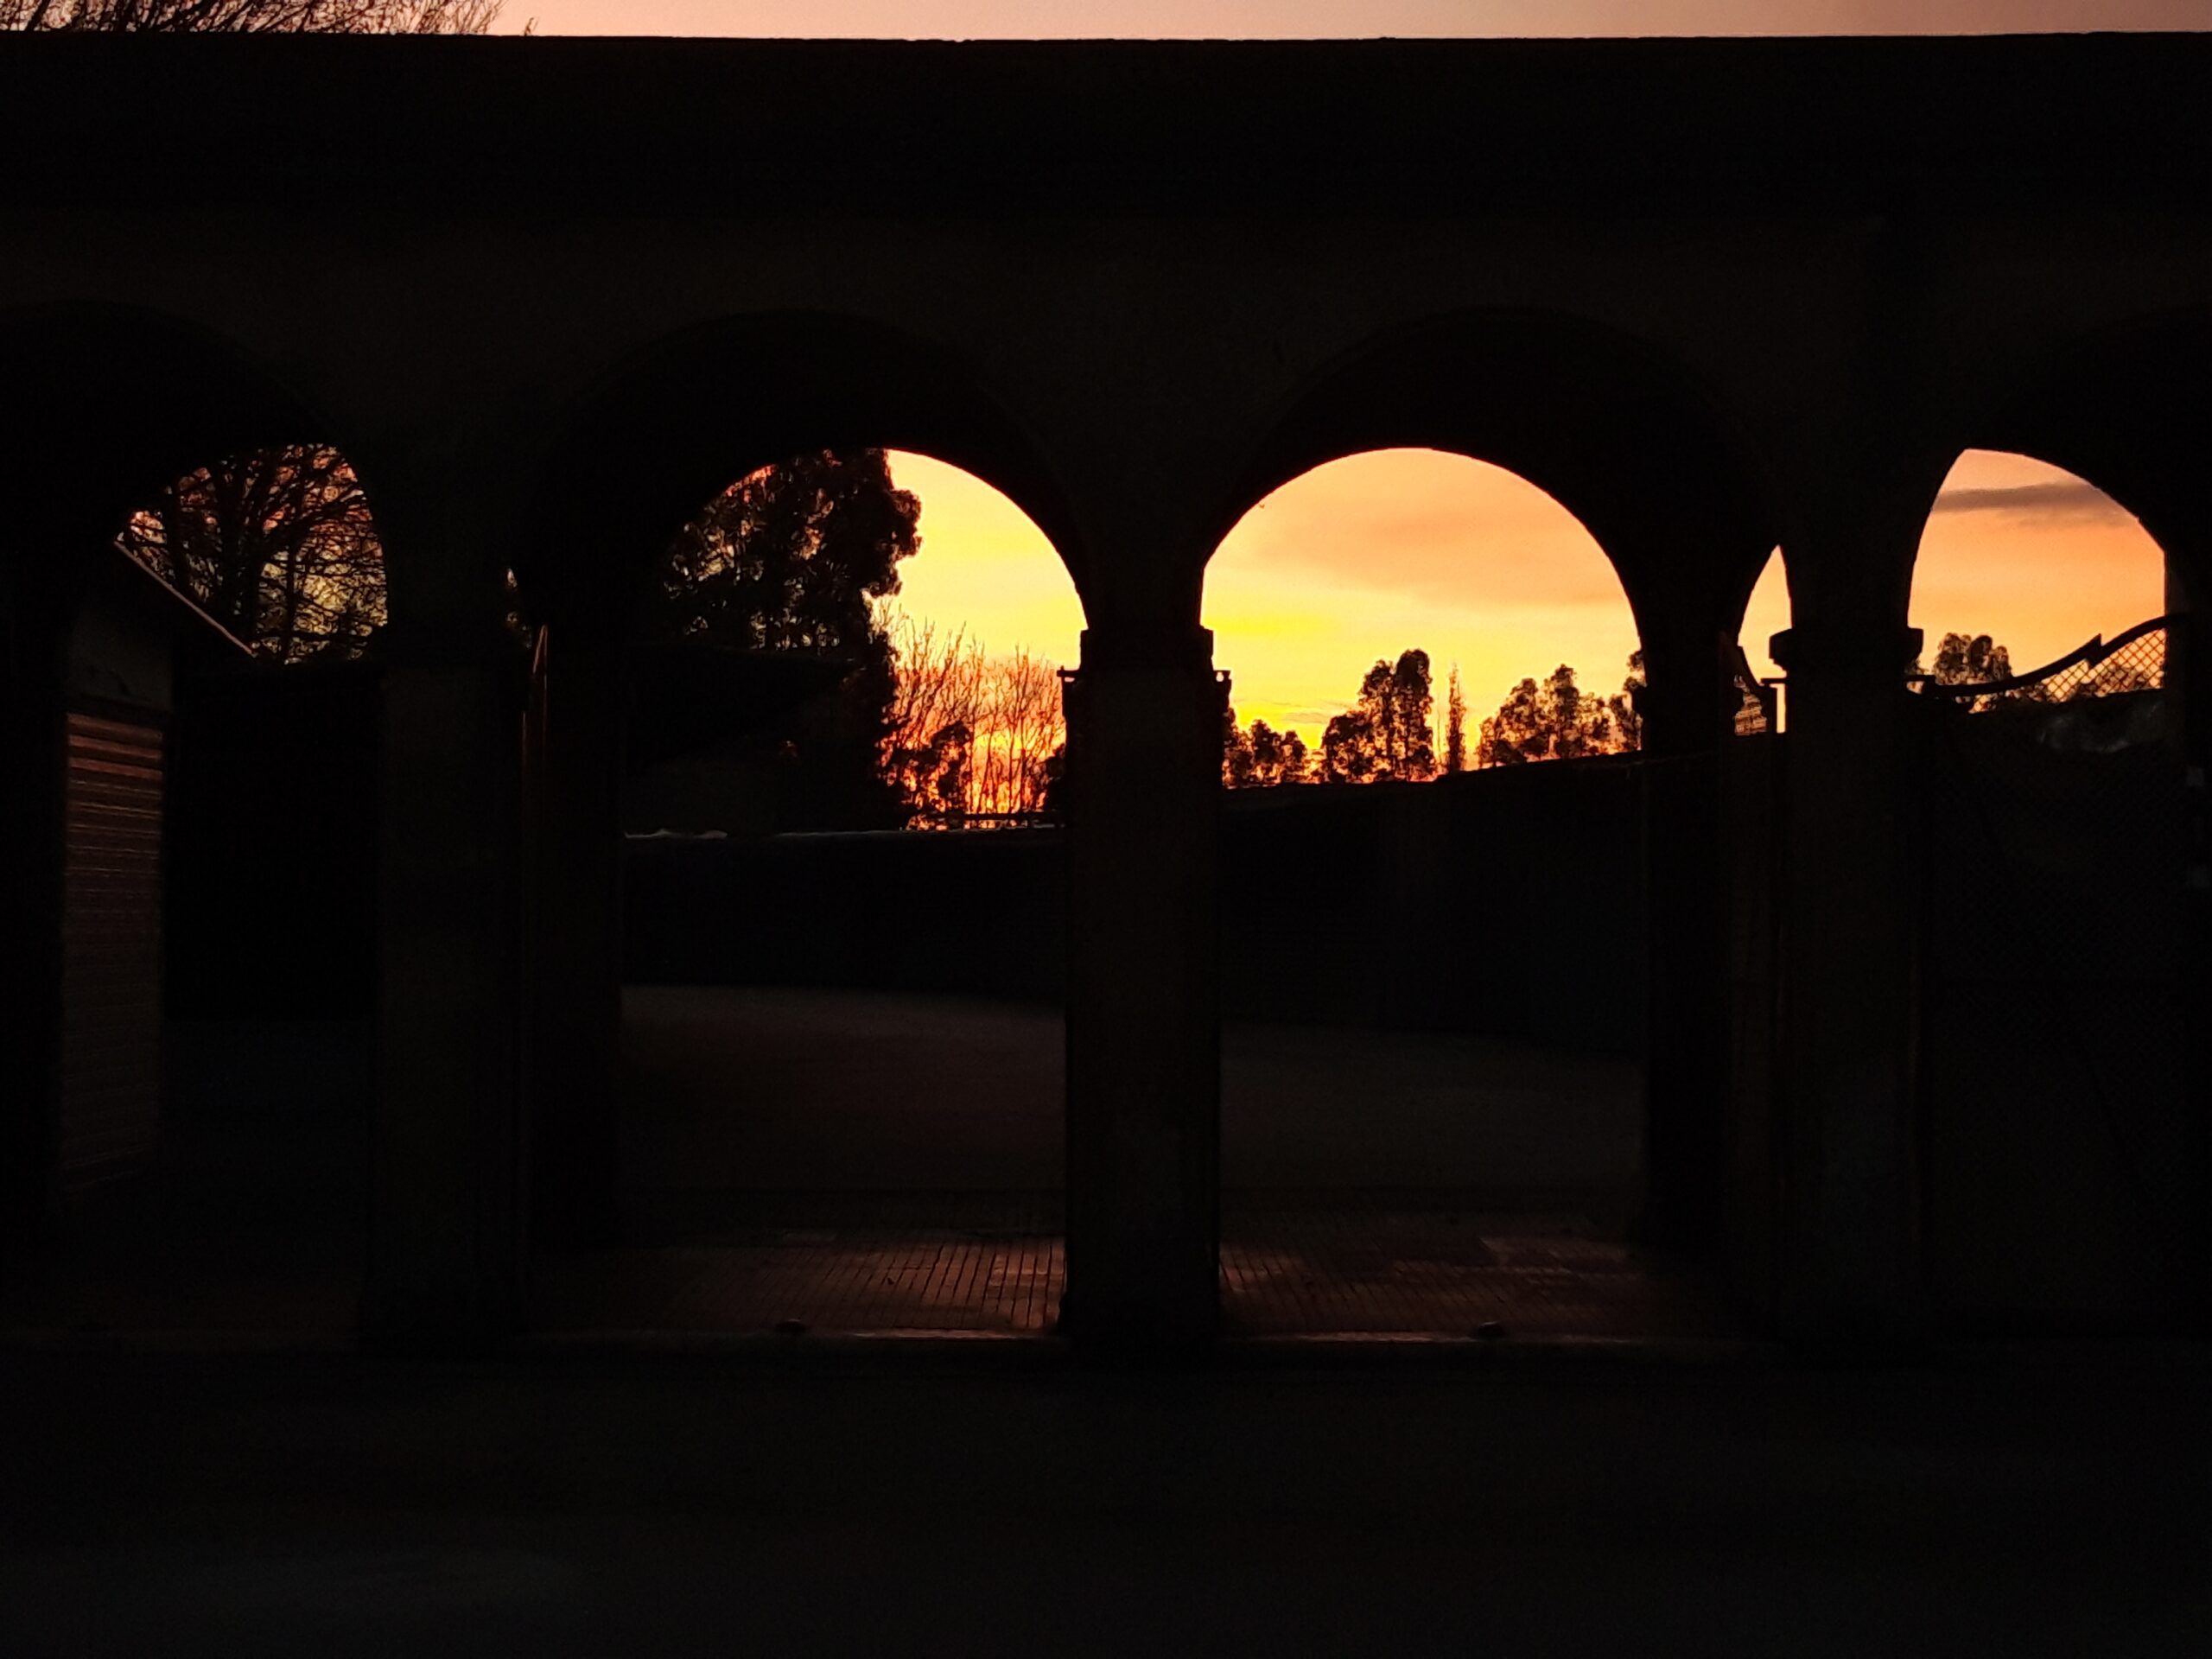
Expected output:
(1367, 555)
(1373, 554)
(1309, 19)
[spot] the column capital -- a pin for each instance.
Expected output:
(1846, 647)
(1148, 646)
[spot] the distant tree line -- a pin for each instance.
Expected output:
(1389, 733)
(250, 17)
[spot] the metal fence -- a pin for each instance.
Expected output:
(2130, 665)
(2056, 1135)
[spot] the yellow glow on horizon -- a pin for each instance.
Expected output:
(1365, 557)
(983, 567)
(1368, 556)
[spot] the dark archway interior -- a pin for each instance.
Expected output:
(1519, 901)
(2062, 1058)
(191, 835)
(800, 1067)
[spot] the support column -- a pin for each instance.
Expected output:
(34, 632)
(572, 926)
(1847, 1129)
(1688, 708)
(447, 1254)
(1143, 993)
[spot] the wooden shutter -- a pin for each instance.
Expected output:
(111, 948)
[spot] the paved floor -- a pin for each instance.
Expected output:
(844, 1160)
(746, 1089)
(972, 1508)
(872, 1163)
(1293, 1264)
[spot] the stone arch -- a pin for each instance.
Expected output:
(2060, 1194)
(114, 402)
(1630, 443)
(665, 432)
(2128, 409)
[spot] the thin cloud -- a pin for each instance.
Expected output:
(2069, 499)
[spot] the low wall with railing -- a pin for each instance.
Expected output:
(1508, 902)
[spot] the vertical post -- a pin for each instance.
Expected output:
(1687, 706)
(1850, 1265)
(573, 923)
(447, 1255)
(33, 647)
(1143, 993)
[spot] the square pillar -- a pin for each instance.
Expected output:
(445, 1266)
(572, 932)
(1687, 705)
(31, 706)
(1847, 1106)
(1143, 992)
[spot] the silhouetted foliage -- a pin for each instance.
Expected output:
(250, 17)
(1262, 757)
(277, 545)
(1455, 727)
(1388, 733)
(1976, 659)
(1964, 659)
(975, 738)
(788, 558)
(1558, 720)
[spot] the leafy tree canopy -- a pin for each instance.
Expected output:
(1964, 659)
(790, 558)
(277, 545)
(250, 17)
(1558, 721)
(1262, 757)
(1388, 733)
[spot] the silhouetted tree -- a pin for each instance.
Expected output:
(1390, 732)
(790, 558)
(277, 545)
(1976, 659)
(1964, 659)
(972, 734)
(250, 17)
(1262, 757)
(1455, 727)
(1279, 757)
(1558, 721)
(1628, 718)
(1350, 753)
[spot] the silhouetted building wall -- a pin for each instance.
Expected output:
(272, 843)
(1714, 296)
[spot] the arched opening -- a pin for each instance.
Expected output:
(837, 1098)
(1766, 613)
(2053, 764)
(190, 714)
(1435, 964)
(190, 603)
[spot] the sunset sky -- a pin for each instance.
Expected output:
(1313, 19)
(1362, 558)
(1366, 556)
